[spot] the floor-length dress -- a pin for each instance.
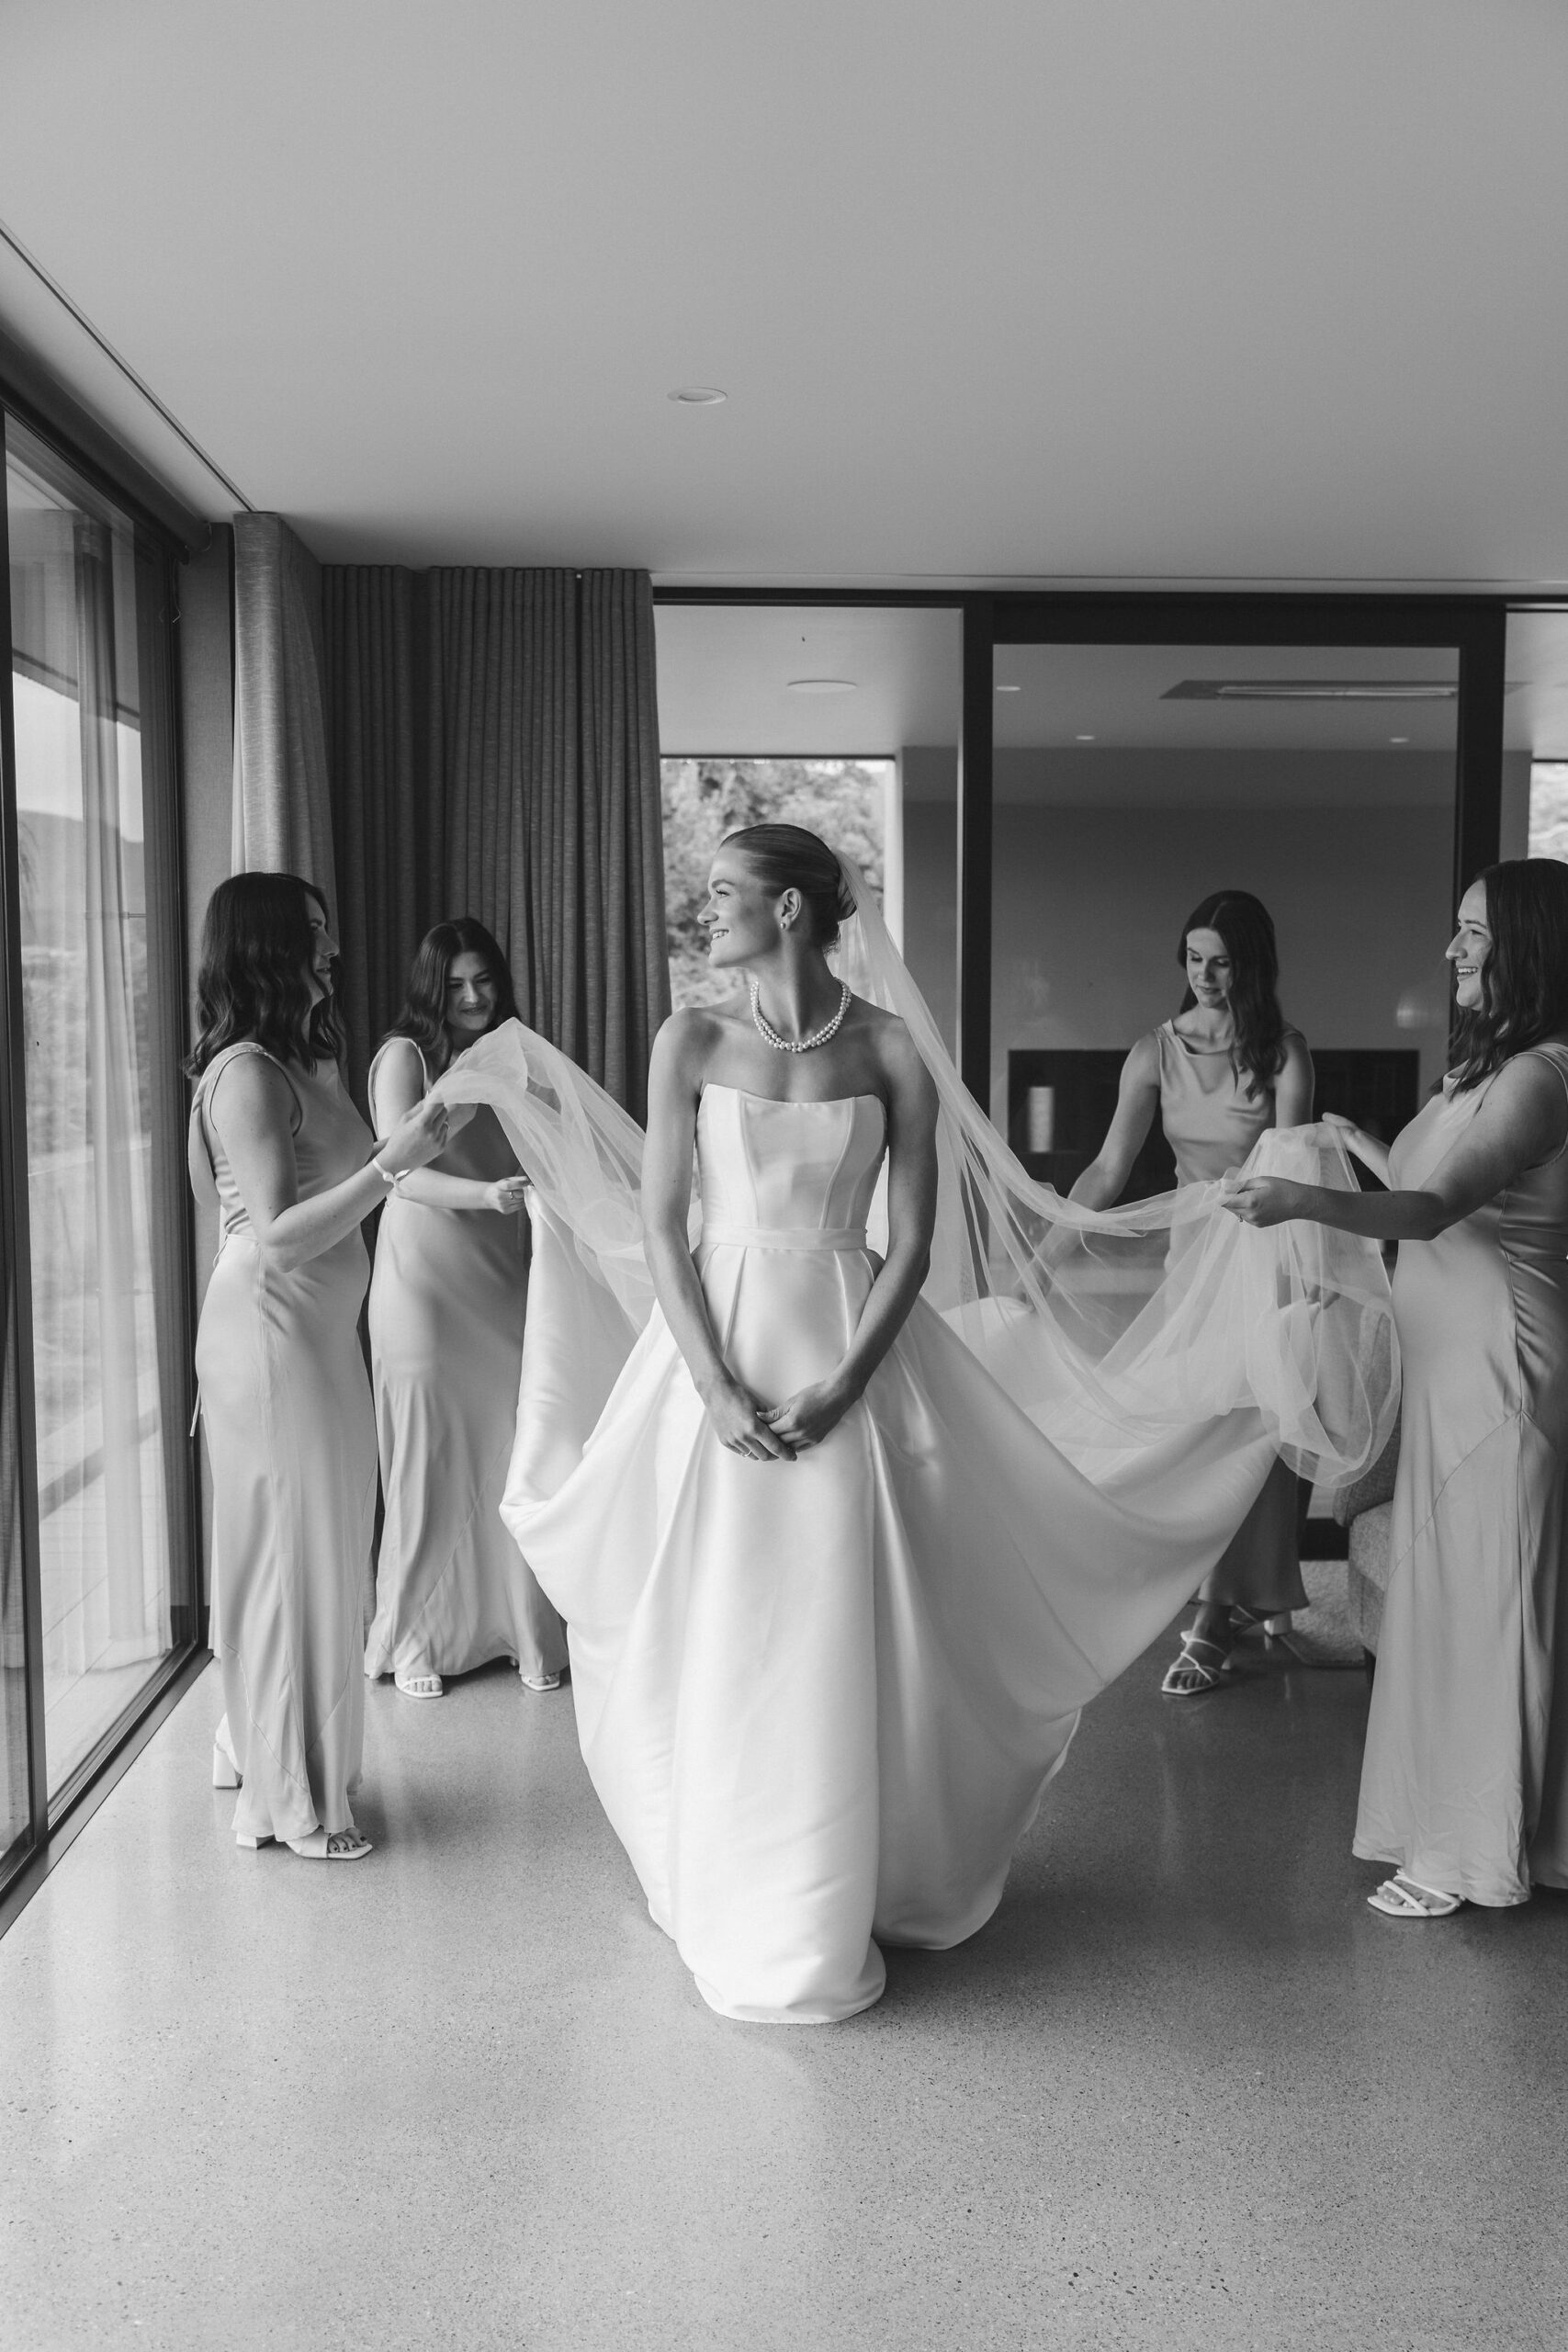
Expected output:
(447, 1301)
(1464, 1783)
(820, 1700)
(291, 1439)
(1212, 1121)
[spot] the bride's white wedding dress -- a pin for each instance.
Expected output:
(820, 1700)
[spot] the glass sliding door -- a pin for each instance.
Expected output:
(93, 814)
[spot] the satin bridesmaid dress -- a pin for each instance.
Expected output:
(1465, 1782)
(291, 1439)
(1211, 1123)
(447, 1302)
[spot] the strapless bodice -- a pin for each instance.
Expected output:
(796, 1174)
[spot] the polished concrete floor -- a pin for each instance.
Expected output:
(1185, 2090)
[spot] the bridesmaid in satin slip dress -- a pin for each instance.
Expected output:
(1465, 1782)
(447, 1299)
(1223, 1072)
(277, 1146)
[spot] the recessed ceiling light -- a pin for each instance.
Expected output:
(822, 685)
(1083, 739)
(1010, 690)
(697, 395)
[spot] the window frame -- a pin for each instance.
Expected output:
(53, 1820)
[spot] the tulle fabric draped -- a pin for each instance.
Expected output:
(1113, 1330)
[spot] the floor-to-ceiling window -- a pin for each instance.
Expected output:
(97, 1594)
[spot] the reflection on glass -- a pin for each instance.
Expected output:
(104, 1533)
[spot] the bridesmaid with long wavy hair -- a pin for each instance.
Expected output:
(1465, 1782)
(1227, 1067)
(276, 1146)
(447, 1302)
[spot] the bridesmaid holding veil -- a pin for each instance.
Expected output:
(848, 1536)
(447, 1301)
(1225, 1070)
(278, 1147)
(1465, 1782)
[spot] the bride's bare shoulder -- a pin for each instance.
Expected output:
(896, 1050)
(688, 1039)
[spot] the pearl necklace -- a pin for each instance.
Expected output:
(770, 1036)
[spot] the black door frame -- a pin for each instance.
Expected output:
(1475, 628)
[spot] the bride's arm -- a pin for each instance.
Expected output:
(807, 1416)
(674, 1085)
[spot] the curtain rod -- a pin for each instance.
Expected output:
(124, 366)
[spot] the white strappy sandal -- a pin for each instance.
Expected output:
(1402, 1897)
(420, 1686)
(1207, 1678)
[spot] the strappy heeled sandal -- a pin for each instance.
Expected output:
(420, 1686)
(539, 1681)
(1279, 1633)
(1398, 1898)
(1208, 1677)
(336, 1846)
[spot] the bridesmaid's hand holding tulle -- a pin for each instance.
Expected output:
(507, 1196)
(1264, 1199)
(419, 1137)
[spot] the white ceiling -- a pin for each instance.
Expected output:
(1030, 290)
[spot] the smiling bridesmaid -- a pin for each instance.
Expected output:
(1464, 1784)
(446, 1307)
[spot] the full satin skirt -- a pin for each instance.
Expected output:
(292, 1442)
(820, 1700)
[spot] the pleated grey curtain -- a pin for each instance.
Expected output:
(387, 824)
(282, 796)
(494, 743)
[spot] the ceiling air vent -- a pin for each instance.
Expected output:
(1312, 690)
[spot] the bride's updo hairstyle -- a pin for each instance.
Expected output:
(787, 857)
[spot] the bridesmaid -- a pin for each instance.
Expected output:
(278, 1147)
(446, 1307)
(1227, 1067)
(1464, 1783)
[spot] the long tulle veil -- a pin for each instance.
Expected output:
(1115, 1330)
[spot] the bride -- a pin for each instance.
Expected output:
(841, 1562)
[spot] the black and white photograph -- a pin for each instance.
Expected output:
(784, 1176)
